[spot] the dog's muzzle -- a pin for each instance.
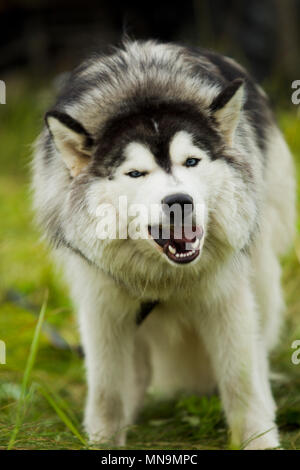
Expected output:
(180, 244)
(178, 237)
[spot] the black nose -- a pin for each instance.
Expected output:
(178, 200)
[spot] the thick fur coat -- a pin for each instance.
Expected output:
(147, 121)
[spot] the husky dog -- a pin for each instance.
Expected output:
(166, 125)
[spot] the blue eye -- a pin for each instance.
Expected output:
(191, 162)
(135, 174)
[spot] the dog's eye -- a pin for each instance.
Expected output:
(136, 173)
(191, 162)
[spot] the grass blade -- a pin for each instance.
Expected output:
(26, 377)
(63, 416)
(254, 437)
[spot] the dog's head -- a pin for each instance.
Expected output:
(156, 173)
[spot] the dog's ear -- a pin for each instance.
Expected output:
(226, 108)
(71, 139)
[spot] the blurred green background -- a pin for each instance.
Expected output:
(39, 40)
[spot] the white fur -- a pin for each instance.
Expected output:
(218, 317)
(204, 336)
(182, 147)
(138, 157)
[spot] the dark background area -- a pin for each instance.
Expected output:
(46, 37)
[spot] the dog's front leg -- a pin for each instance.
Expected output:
(107, 324)
(230, 330)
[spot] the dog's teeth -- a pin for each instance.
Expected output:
(181, 255)
(172, 249)
(195, 245)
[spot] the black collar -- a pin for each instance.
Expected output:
(145, 309)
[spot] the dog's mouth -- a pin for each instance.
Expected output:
(181, 244)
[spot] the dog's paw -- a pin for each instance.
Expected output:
(105, 434)
(104, 431)
(104, 420)
(117, 439)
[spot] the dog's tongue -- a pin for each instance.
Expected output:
(178, 235)
(185, 234)
(182, 239)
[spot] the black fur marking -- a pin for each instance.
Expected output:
(77, 252)
(240, 165)
(61, 241)
(137, 125)
(146, 308)
(225, 96)
(228, 71)
(48, 145)
(71, 123)
(81, 81)
(256, 105)
(58, 240)
(76, 88)
(135, 118)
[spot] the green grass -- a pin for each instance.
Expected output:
(42, 392)
(25, 392)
